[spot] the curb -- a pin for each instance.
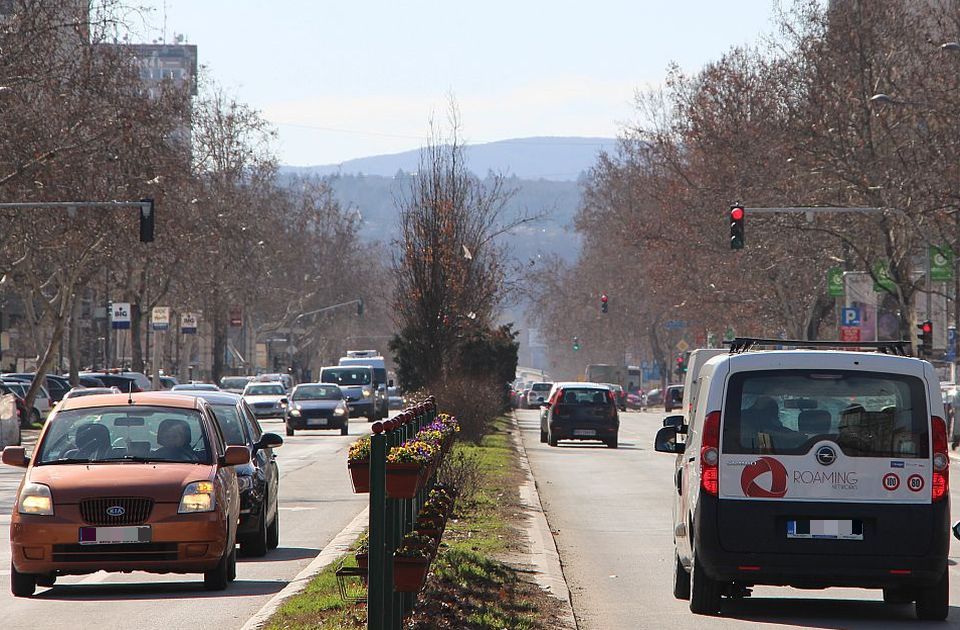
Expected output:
(334, 549)
(544, 555)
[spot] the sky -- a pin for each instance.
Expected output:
(352, 78)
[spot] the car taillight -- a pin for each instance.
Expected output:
(710, 454)
(941, 460)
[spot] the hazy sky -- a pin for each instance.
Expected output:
(353, 78)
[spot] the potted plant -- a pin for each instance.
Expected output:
(362, 551)
(411, 561)
(358, 463)
(408, 468)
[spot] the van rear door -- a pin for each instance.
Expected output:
(821, 461)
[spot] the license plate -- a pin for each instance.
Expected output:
(584, 432)
(825, 529)
(114, 535)
(318, 422)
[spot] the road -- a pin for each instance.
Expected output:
(316, 502)
(611, 514)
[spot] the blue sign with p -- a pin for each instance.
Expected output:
(850, 316)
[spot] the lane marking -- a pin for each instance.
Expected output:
(297, 508)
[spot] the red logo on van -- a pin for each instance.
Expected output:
(778, 479)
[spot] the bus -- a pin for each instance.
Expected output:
(605, 373)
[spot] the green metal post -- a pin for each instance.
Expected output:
(390, 621)
(378, 498)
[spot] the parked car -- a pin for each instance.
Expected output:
(317, 406)
(85, 380)
(194, 386)
(538, 394)
(673, 397)
(581, 411)
(812, 469)
(654, 397)
(77, 392)
(259, 479)
(56, 386)
(234, 384)
(41, 402)
(168, 382)
(126, 384)
(267, 399)
(156, 492)
(619, 395)
(636, 400)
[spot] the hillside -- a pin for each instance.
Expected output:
(550, 158)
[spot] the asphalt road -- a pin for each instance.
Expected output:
(611, 514)
(316, 502)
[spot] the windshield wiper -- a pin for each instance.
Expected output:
(70, 460)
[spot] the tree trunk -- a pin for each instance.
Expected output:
(219, 347)
(136, 327)
(74, 348)
(44, 364)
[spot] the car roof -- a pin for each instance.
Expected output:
(157, 399)
(212, 397)
(818, 359)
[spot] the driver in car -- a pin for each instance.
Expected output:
(173, 436)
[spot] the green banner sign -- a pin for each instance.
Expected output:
(941, 264)
(881, 278)
(835, 282)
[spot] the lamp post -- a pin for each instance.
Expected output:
(955, 47)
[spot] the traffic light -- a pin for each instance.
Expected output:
(148, 216)
(681, 365)
(737, 216)
(926, 338)
(576, 344)
(603, 302)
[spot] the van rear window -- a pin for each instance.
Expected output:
(786, 412)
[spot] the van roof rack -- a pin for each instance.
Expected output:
(745, 344)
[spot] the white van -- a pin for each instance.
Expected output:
(812, 468)
(373, 359)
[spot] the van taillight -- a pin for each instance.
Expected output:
(940, 488)
(710, 454)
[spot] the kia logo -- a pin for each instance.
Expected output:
(826, 455)
(116, 510)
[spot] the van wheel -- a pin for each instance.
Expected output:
(933, 603)
(345, 429)
(897, 596)
(704, 591)
(681, 579)
(543, 436)
(22, 584)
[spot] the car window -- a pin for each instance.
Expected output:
(253, 426)
(99, 434)
(583, 396)
(231, 425)
(317, 392)
(867, 414)
(233, 383)
(346, 376)
(265, 389)
(542, 387)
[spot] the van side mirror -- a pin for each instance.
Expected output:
(677, 422)
(956, 530)
(666, 441)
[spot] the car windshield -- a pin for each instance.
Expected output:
(231, 424)
(265, 389)
(317, 392)
(867, 414)
(125, 433)
(234, 383)
(346, 376)
(584, 396)
(542, 387)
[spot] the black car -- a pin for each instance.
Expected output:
(56, 386)
(125, 384)
(259, 529)
(585, 411)
(90, 381)
(317, 406)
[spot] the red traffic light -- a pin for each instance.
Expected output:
(680, 360)
(926, 327)
(736, 213)
(603, 298)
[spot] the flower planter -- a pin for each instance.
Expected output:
(431, 522)
(436, 533)
(404, 480)
(409, 574)
(360, 476)
(363, 560)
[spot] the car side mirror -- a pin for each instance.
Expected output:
(666, 441)
(269, 440)
(677, 422)
(236, 456)
(15, 456)
(284, 401)
(956, 530)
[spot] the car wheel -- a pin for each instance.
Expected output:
(345, 429)
(46, 580)
(551, 440)
(613, 442)
(897, 596)
(681, 579)
(704, 591)
(255, 544)
(933, 603)
(543, 435)
(217, 578)
(22, 584)
(273, 531)
(289, 430)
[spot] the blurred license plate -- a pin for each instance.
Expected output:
(114, 535)
(584, 432)
(318, 422)
(825, 529)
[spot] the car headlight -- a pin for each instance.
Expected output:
(340, 410)
(366, 393)
(294, 412)
(35, 499)
(244, 482)
(197, 497)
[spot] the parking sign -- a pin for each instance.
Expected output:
(850, 316)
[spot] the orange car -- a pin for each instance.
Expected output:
(140, 482)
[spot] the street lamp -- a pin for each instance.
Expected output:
(955, 47)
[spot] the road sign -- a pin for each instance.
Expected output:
(850, 316)
(120, 315)
(849, 333)
(882, 280)
(188, 323)
(160, 317)
(682, 345)
(951, 354)
(835, 282)
(941, 264)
